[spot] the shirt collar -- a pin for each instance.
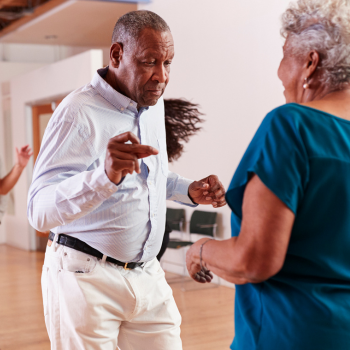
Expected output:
(114, 97)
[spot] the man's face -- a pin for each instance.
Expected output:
(144, 68)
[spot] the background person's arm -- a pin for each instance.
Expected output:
(259, 251)
(10, 180)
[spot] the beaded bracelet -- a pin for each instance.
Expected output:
(200, 254)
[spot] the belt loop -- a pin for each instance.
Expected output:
(103, 260)
(54, 243)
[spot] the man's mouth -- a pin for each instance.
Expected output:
(155, 92)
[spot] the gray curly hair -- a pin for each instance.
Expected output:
(133, 23)
(323, 26)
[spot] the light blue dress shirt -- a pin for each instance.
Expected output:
(71, 192)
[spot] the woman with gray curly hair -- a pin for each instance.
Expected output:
(290, 198)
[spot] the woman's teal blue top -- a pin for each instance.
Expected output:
(303, 156)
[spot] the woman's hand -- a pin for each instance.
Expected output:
(193, 264)
(258, 253)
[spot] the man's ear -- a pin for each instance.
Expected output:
(116, 54)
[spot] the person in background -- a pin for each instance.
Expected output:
(181, 120)
(8, 182)
(290, 198)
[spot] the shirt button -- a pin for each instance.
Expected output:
(110, 191)
(90, 206)
(130, 103)
(122, 109)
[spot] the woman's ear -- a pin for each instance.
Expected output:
(312, 62)
(116, 54)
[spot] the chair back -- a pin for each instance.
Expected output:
(175, 218)
(203, 223)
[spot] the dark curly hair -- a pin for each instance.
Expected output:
(181, 120)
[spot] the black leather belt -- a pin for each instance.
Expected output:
(81, 246)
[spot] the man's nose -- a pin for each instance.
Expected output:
(161, 74)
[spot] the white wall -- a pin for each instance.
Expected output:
(48, 82)
(9, 70)
(43, 53)
(227, 54)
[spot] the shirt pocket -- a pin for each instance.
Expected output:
(163, 155)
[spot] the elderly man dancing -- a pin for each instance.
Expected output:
(100, 185)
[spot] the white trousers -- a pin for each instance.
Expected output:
(90, 304)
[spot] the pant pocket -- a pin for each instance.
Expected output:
(44, 288)
(77, 262)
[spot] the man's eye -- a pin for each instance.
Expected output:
(167, 64)
(150, 63)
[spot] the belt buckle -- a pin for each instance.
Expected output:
(126, 267)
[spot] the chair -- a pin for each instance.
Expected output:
(202, 223)
(176, 220)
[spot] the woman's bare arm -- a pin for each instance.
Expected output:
(259, 251)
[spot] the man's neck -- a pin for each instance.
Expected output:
(112, 80)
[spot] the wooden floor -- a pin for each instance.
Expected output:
(207, 313)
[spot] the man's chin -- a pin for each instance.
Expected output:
(150, 102)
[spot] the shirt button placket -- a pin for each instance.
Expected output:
(144, 140)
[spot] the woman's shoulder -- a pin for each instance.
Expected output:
(288, 111)
(285, 117)
(307, 116)
(307, 111)
(297, 117)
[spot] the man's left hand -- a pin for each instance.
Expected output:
(208, 191)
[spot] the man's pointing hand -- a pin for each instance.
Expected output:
(122, 158)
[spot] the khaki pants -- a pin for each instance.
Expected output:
(104, 306)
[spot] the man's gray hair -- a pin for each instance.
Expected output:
(130, 25)
(323, 26)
